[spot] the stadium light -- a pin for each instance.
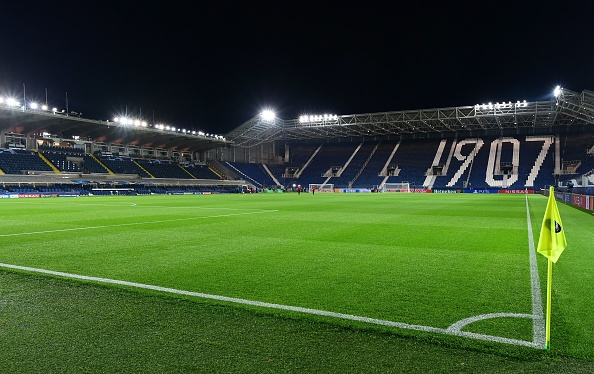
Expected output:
(503, 105)
(44, 107)
(12, 102)
(33, 105)
(557, 91)
(268, 115)
(317, 118)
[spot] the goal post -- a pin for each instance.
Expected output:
(326, 187)
(396, 187)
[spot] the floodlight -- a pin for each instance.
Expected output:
(1, 100)
(44, 107)
(12, 102)
(33, 105)
(54, 110)
(557, 91)
(268, 115)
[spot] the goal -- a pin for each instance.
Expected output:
(396, 187)
(326, 187)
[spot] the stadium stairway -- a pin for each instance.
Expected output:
(186, 171)
(362, 167)
(101, 164)
(142, 168)
(271, 174)
(41, 156)
(244, 175)
(309, 160)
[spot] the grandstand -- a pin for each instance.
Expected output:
(521, 145)
(508, 145)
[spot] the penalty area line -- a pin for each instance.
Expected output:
(452, 330)
(136, 223)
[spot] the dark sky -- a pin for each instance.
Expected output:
(213, 65)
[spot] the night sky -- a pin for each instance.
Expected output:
(213, 65)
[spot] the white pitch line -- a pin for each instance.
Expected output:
(135, 223)
(538, 324)
(169, 207)
(452, 330)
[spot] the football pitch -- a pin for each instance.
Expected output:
(455, 269)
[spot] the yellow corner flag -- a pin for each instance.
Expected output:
(552, 235)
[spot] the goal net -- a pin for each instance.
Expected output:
(327, 187)
(396, 187)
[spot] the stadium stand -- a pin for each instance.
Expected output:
(510, 146)
(15, 161)
(199, 171)
(256, 173)
(164, 169)
(124, 165)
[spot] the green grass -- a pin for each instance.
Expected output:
(427, 260)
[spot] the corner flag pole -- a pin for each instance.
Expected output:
(548, 318)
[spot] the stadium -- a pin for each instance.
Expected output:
(416, 231)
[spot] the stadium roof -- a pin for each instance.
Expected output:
(27, 121)
(567, 108)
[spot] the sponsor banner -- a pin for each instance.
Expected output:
(5, 196)
(28, 195)
(591, 203)
(66, 194)
(481, 191)
(517, 191)
(578, 200)
(567, 198)
(354, 190)
(446, 191)
(415, 190)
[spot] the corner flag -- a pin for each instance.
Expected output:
(552, 235)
